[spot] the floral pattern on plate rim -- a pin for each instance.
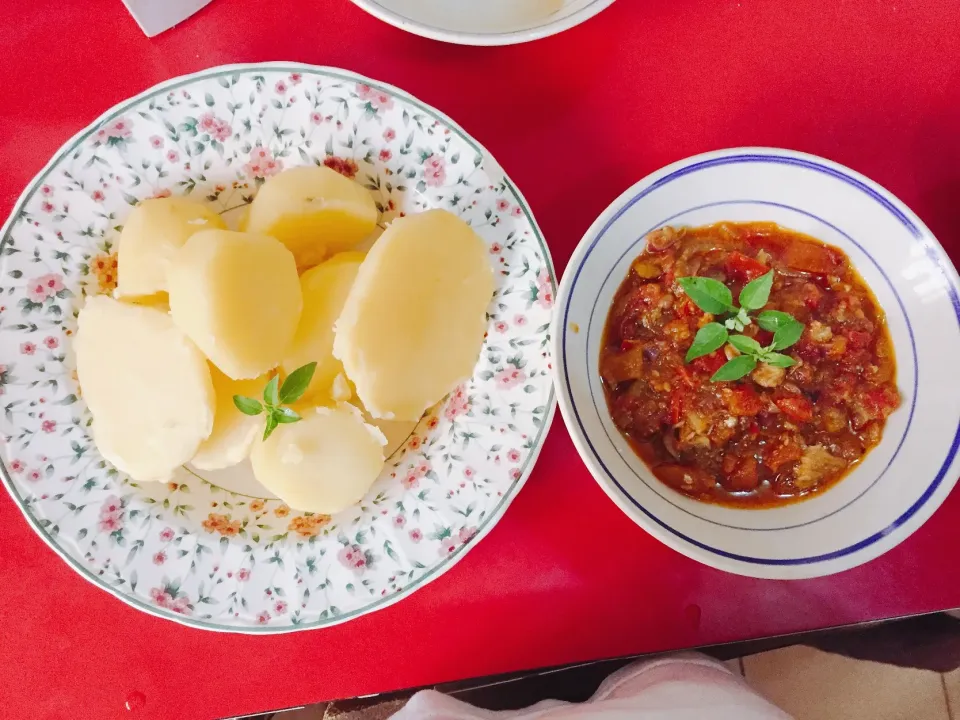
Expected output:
(189, 550)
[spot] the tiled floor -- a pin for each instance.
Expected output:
(807, 683)
(814, 685)
(343, 711)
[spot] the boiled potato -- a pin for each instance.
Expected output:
(233, 432)
(147, 386)
(324, 289)
(341, 389)
(158, 301)
(243, 217)
(324, 463)
(237, 296)
(397, 432)
(314, 211)
(153, 233)
(413, 323)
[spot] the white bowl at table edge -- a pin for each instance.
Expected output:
(582, 439)
(521, 35)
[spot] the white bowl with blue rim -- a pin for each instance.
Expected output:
(900, 483)
(484, 22)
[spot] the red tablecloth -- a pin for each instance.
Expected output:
(574, 119)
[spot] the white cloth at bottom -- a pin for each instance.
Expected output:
(687, 686)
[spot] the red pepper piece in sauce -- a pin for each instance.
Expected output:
(764, 337)
(744, 268)
(795, 407)
(881, 402)
(858, 339)
(745, 477)
(709, 364)
(685, 377)
(676, 406)
(740, 473)
(812, 258)
(729, 463)
(686, 309)
(809, 351)
(781, 455)
(742, 400)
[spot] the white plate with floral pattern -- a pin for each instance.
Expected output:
(194, 551)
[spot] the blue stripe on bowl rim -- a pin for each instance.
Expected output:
(905, 221)
(913, 346)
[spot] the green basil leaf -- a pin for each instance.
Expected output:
(286, 415)
(735, 369)
(773, 320)
(709, 295)
(778, 360)
(710, 337)
(272, 423)
(756, 293)
(787, 335)
(270, 395)
(248, 406)
(746, 345)
(297, 383)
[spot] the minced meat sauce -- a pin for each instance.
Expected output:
(778, 434)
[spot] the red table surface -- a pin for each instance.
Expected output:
(574, 119)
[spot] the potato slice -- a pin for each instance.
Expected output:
(153, 233)
(243, 217)
(341, 389)
(397, 432)
(324, 463)
(233, 432)
(237, 296)
(324, 290)
(147, 386)
(159, 301)
(314, 211)
(413, 323)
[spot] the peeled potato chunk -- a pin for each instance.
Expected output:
(314, 211)
(233, 432)
(324, 290)
(341, 389)
(237, 296)
(413, 323)
(243, 216)
(153, 233)
(397, 432)
(147, 386)
(160, 301)
(324, 463)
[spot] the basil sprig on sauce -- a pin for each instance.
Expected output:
(713, 297)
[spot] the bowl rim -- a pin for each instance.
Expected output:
(787, 568)
(403, 22)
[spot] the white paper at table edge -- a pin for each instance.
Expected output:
(154, 17)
